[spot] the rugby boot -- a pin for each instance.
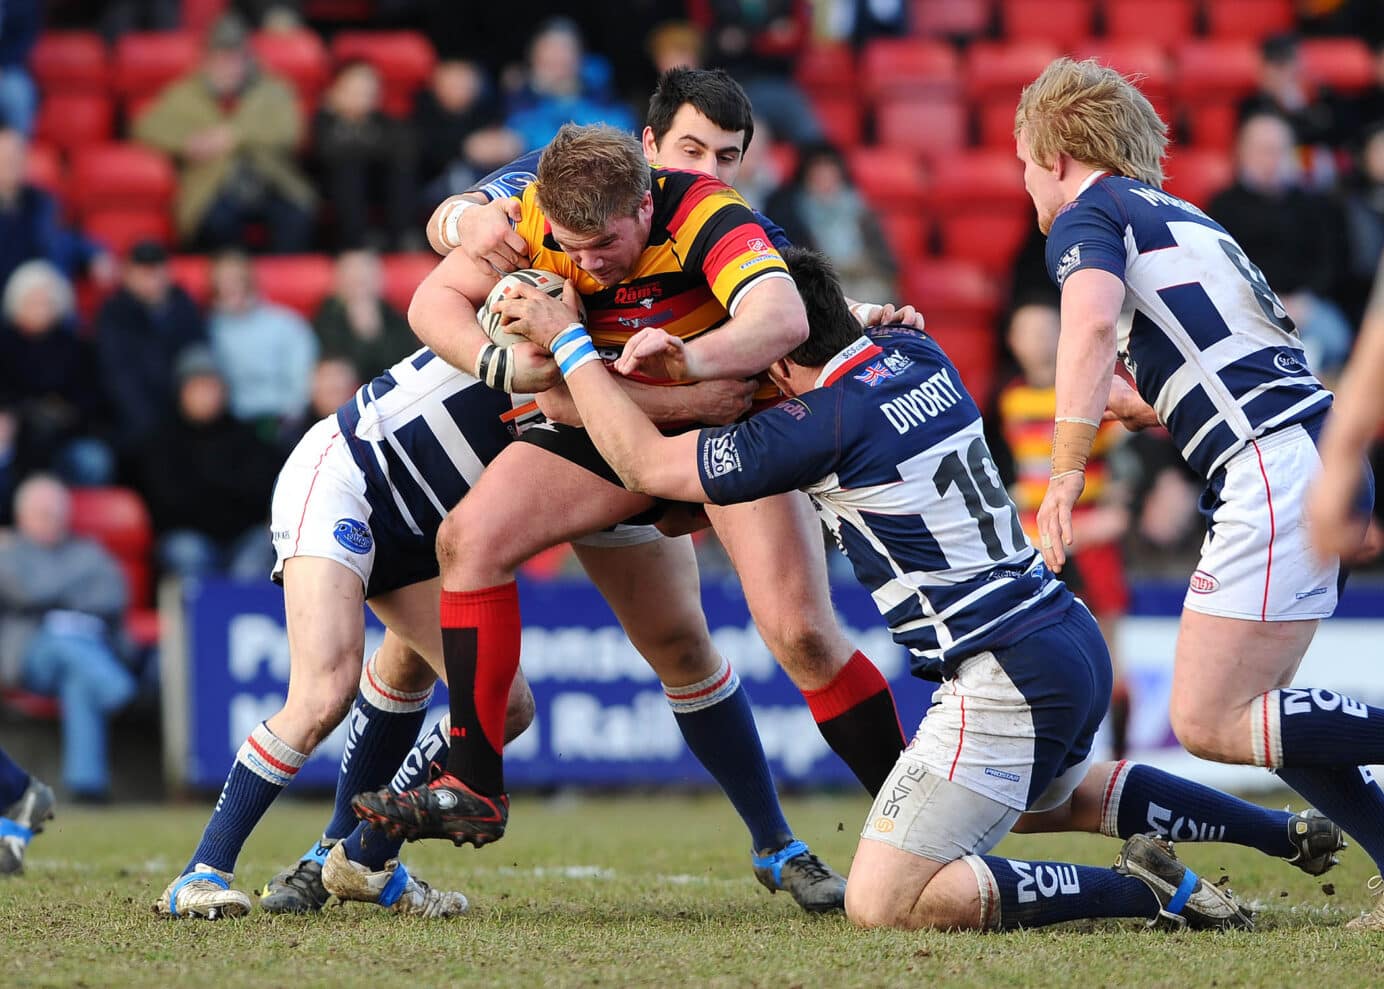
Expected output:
(1317, 839)
(295, 890)
(1184, 898)
(1373, 920)
(813, 884)
(204, 893)
(21, 821)
(445, 808)
(391, 887)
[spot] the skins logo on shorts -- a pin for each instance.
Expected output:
(1203, 583)
(354, 535)
(883, 825)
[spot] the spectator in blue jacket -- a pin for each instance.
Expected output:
(562, 86)
(19, 24)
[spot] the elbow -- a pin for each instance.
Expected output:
(795, 329)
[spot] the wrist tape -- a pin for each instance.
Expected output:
(572, 348)
(447, 223)
(1072, 438)
(495, 367)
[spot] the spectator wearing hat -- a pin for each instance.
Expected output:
(140, 330)
(355, 322)
(233, 131)
(211, 512)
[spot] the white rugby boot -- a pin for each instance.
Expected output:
(204, 893)
(391, 887)
(1374, 919)
(1184, 898)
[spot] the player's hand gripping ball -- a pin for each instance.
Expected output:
(493, 323)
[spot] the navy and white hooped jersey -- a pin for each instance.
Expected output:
(889, 446)
(421, 434)
(1209, 343)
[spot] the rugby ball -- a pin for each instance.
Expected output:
(547, 281)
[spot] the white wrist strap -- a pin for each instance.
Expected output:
(447, 224)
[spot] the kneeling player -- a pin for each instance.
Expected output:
(888, 444)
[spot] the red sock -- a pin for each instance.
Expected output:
(480, 646)
(856, 715)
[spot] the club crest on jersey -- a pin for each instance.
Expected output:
(354, 535)
(874, 374)
(897, 362)
(757, 244)
(1068, 262)
(719, 456)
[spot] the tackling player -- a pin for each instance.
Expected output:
(1216, 359)
(883, 437)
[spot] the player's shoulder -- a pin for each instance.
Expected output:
(681, 196)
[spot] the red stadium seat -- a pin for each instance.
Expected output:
(1196, 175)
(906, 233)
(996, 70)
(782, 160)
(117, 519)
(146, 61)
(124, 175)
(193, 273)
(840, 117)
(298, 57)
(971, 347)
(1161, 22)
(1344, 64)
(950, 18)
(948, 290)
(990, 236)
(198, 15)
(1060, 22)
(826, 69)
(67, 61)
(402, 273)
(43, 168)
(299, 281)
(982, 209)
(931, 126)
(120, 229)
(915, 67)
(1216, 69)
(890, 178)
(1250, 20)
(404, 60)
(73, 120)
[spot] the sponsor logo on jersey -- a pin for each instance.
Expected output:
(897, 362)
(757, 259)
(874, 374)
(757, 244)
(719, 456)
(1068, 262)
(279, 535)
(1311, 594)
(653, 319)
(1288, 363)
(1001, 774)
(1203, 582)
(354, 535)
(627, 295)
(794, 408)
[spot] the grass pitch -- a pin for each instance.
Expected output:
(625, 891)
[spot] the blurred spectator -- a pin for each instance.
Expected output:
(757, 42)
(759, 177)
(265, 352)
(61, 602)
(334, 383)
(29, 222)
(1311, 112)
(857, 21)
(233, 130)
(48, 376)
(356, 323)
(1291, 233)
(19, 26)
(562, 85)
(364, 157)
(458, 124)
(140, 329)
(211, 512)
(823, 211)
(675, 45)
(1364, 212)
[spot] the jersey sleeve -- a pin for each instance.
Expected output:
(776, 235)
(724, 240)
(780, 449)
(1085, 234)
(509, 180)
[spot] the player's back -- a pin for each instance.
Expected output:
(1211, 347)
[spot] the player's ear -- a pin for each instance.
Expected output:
(650, 144)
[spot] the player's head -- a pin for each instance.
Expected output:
(700, 120)
(593, 187)
(831, 327)
(1084, 114)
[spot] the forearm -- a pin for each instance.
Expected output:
(662, 405)
(1085, 363)
(1359, 406)
(443, 316)
(768, 324)
(626, 437)
(442, 231)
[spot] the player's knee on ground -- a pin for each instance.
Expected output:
(520, 710)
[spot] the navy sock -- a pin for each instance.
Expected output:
(382, 727)
(1350, 796)
(372, 848)
(13, 781)
(1035, 894)
(1301, 726)
(1143, 800)
(263, 767)
(715, 719)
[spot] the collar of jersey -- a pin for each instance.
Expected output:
(1091, 180)
(853, 356)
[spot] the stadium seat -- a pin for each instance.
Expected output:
(890, 178)
(949, 290)
(981, 207)
(972, 348)
(43, 168)
(127, 175)
(402, 273)
(193, 273)
(997, 70)
(1344, 64)
(950, 18)
(826, 69)
(1250, 20)
(1196, 175)
(840, 117)
(117, 519)
(1160, 22)
(1211, 77)
(299, 57)
(906, 233)
(916, 67)
(1060, 22)
(73, 120)
(931, 126)
(120, 229)
(404, 60)
(299, 281)
(146, 61)
(198, 15)
(782, 160)
(70, 61)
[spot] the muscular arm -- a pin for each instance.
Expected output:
(710, 402)
(1091, 303)
(443, 310)
(1359, 407)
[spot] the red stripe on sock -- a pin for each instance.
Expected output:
(960, 740)
(494, 613)
(384, 691)
(859, 680)
(674, 695)
(280, 766)
(1110, 787)
(1268, 742)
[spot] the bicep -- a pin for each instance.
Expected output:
(1092, 299)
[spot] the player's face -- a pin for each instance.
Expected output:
(1042, 186)
(609, 255)
(694, 143)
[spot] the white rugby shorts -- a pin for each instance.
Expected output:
(1256, 563)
